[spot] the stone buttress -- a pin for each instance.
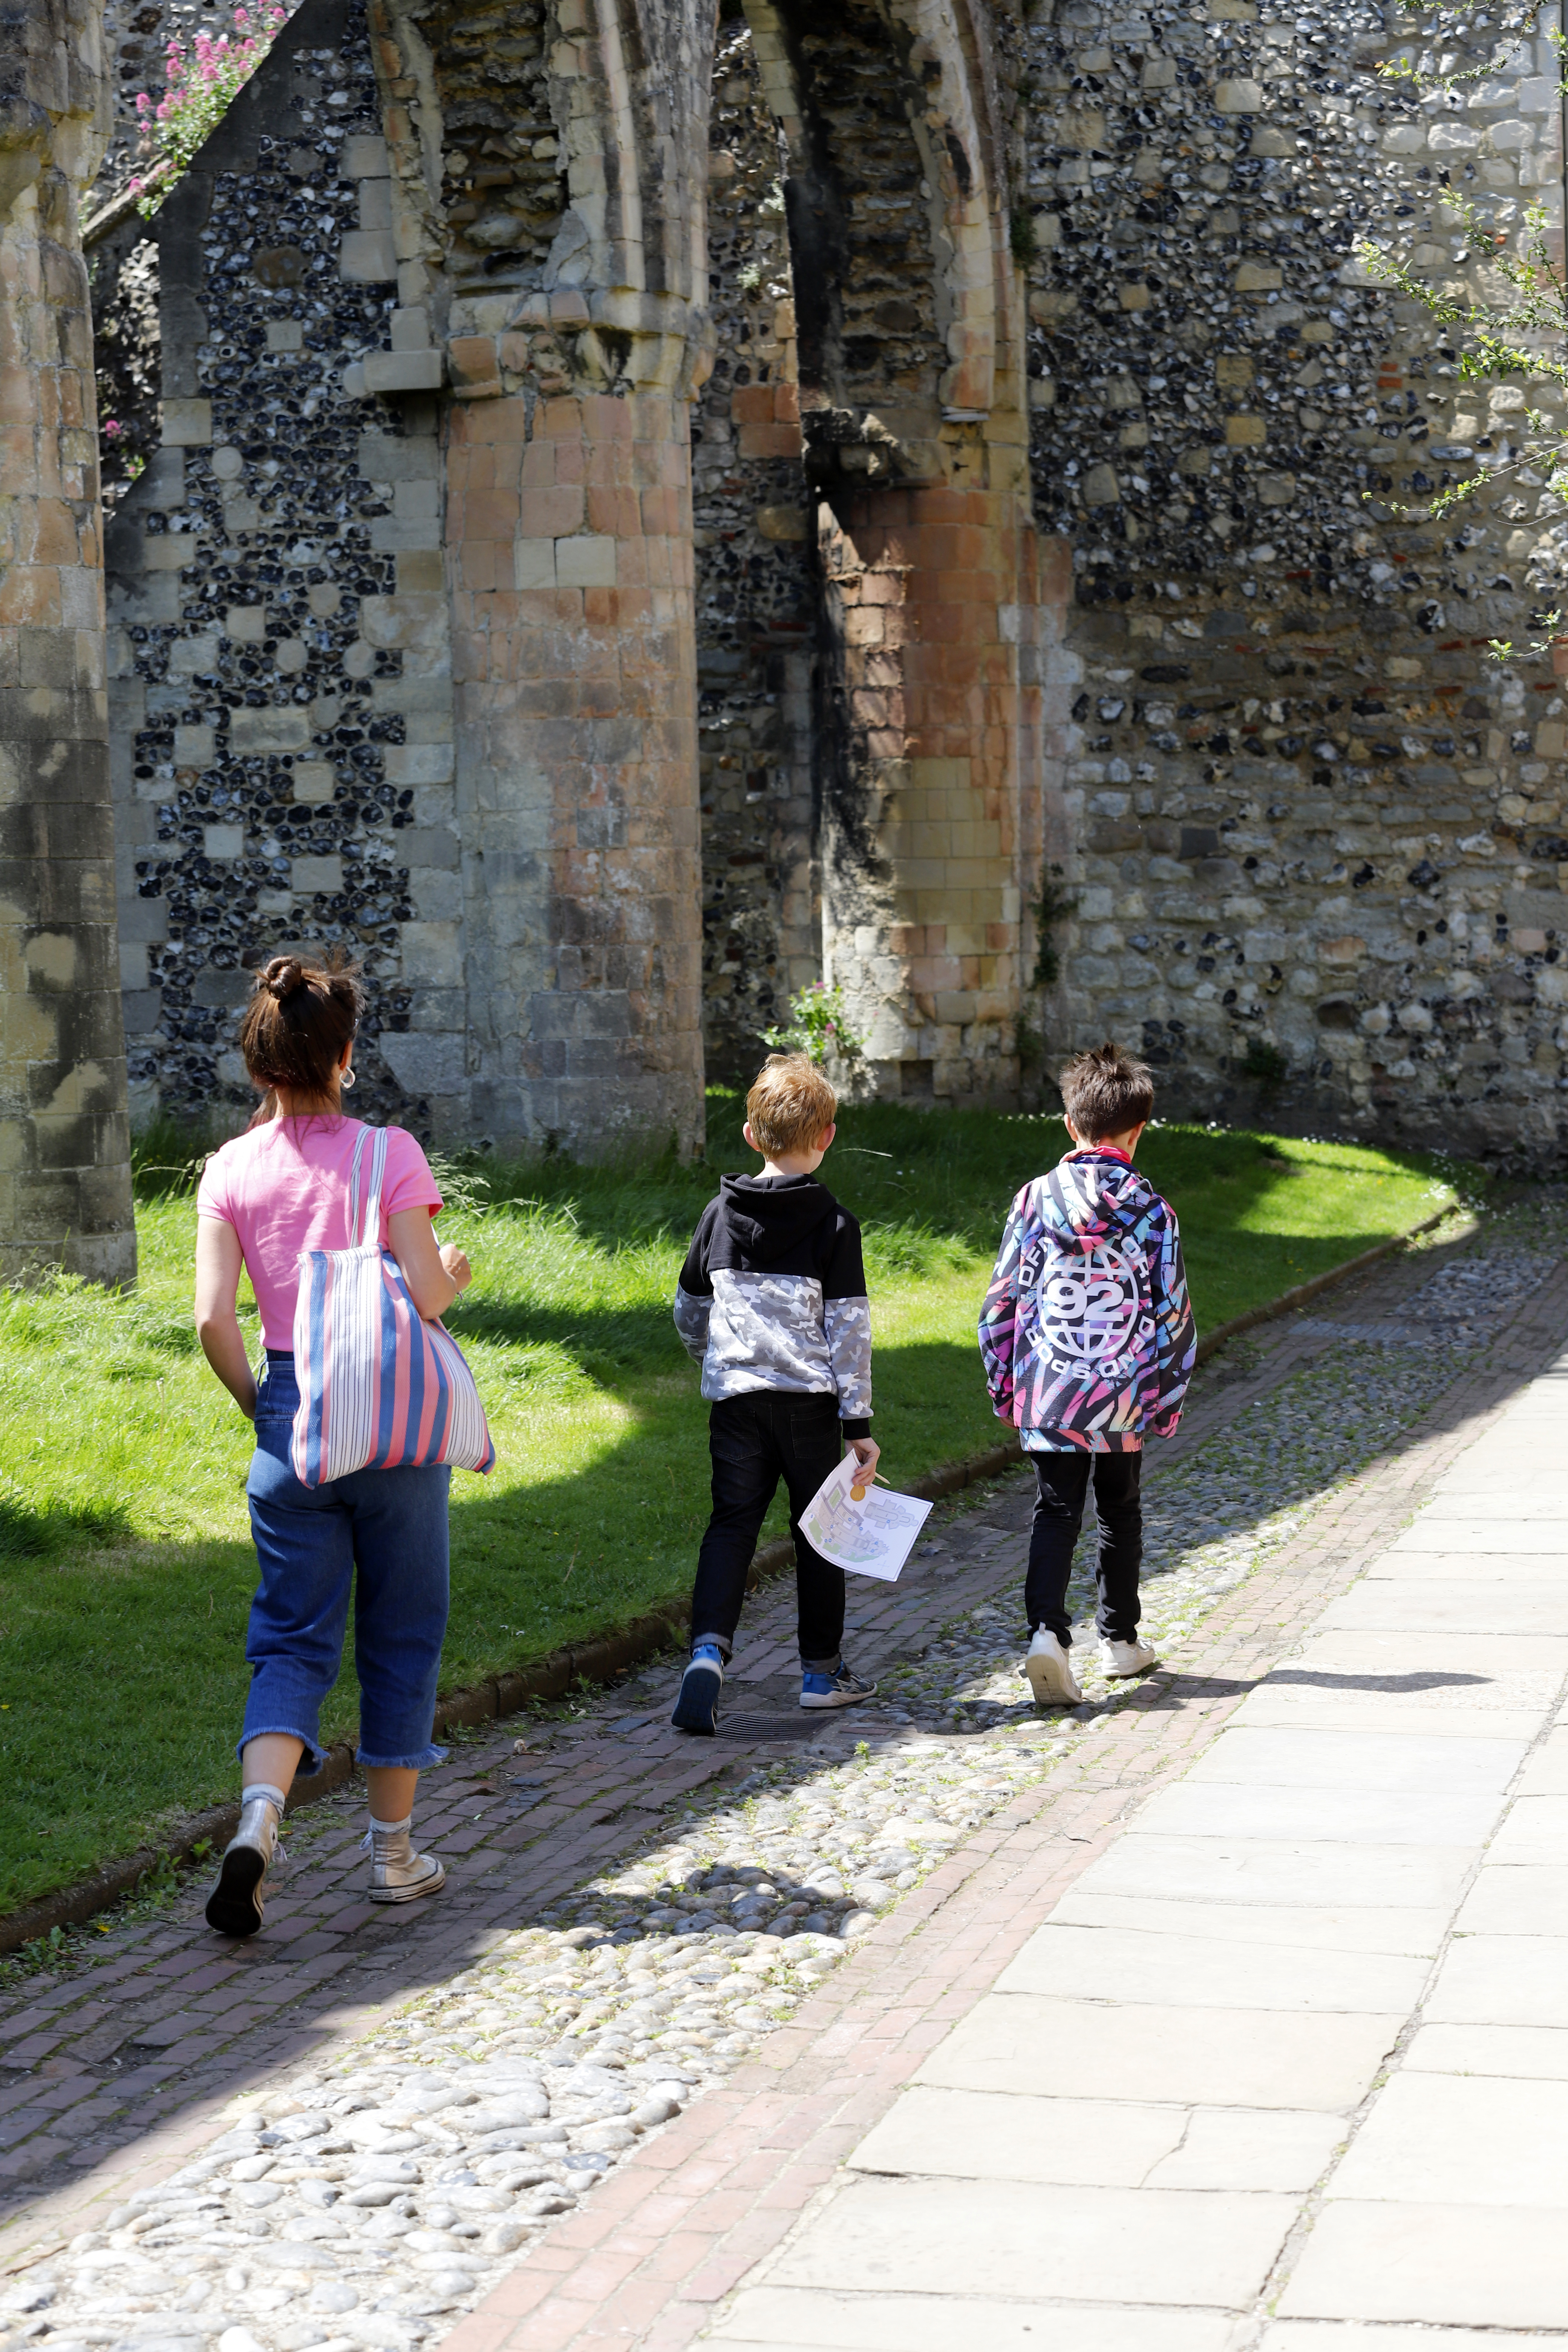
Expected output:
(65, 1174)
(405, 649)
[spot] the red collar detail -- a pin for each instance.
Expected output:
(1106, 1151)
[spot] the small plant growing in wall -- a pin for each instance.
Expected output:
(1516, 322)
(1265, 1065)
(201, 83)
(1050, 909)
(818, 1025)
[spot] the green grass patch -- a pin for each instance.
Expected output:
(125, 1562)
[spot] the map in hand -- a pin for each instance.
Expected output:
(868, 1530)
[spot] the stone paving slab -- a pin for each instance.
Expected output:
(1161, 2246)
(1443, 2265)
(1336, 1815)
(808, 2316)
(1120, 2049)
(1516, 1899)
(1260, 1926)
(1277, 1870)
(1408, 1605)
(1532, 2052)
(1326, 1757)
(1076, 1962)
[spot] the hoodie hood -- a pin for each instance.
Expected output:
(1091, 1197)
(771, 1215)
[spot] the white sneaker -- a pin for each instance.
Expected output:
(397, 1872)
(1050, 1672)
(237, 1902)
(1121, 1659)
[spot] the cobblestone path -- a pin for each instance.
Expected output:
(602, 2073)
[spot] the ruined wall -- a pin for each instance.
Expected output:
(1315, 833)
(417, 674)
(65, 1177)
(998, 307)
(283, 762)
(757, 592)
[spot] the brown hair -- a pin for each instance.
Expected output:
(790, 1104)
(300, 1018)
(1105, 1092)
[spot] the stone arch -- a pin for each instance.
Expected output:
(932, 809)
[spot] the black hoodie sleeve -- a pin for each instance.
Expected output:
(694, 1291)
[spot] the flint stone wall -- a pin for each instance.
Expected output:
(1259, 787)
(757, 592)
(283, 757)
(1315, 829)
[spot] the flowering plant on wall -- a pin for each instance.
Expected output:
(818, 1026)
(201, 83)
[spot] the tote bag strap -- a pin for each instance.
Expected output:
(364, 1235)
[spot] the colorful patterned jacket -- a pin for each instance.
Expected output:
(1086, 1331)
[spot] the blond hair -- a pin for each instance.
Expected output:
(789, 1105)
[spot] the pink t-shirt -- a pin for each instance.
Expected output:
(284, 1188)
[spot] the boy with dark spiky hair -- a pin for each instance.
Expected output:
(1089, 1343)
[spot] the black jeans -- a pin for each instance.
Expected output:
(1058, 1514)
(755, 1440)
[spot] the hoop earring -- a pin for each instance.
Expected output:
(347, 1079)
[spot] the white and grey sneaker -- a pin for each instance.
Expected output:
(398, 1873)
(1048, 1671)
(833, 1686)
(1121, 1659)
(237, 1902)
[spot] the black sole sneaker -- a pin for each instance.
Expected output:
(235, 1906)
(696, 1708)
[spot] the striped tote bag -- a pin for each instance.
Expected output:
(380, 1387)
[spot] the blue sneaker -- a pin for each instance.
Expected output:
(696, 1708)
(839, 1688)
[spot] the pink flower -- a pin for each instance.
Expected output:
(112, 431)
(143, 102)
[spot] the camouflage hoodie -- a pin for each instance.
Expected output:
(772, 1296)
(1086, 1331)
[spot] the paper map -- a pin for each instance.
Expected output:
(869, 1530)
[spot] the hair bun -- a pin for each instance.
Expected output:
(282, 976)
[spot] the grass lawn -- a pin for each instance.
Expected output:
(125, 1564)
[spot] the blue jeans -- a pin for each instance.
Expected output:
(381, 1534)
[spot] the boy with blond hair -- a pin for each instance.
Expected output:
(1089, 1343)
(771, 1304)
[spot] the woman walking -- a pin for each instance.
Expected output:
(278, 1190)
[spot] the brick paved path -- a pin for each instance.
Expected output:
(119, 2073)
